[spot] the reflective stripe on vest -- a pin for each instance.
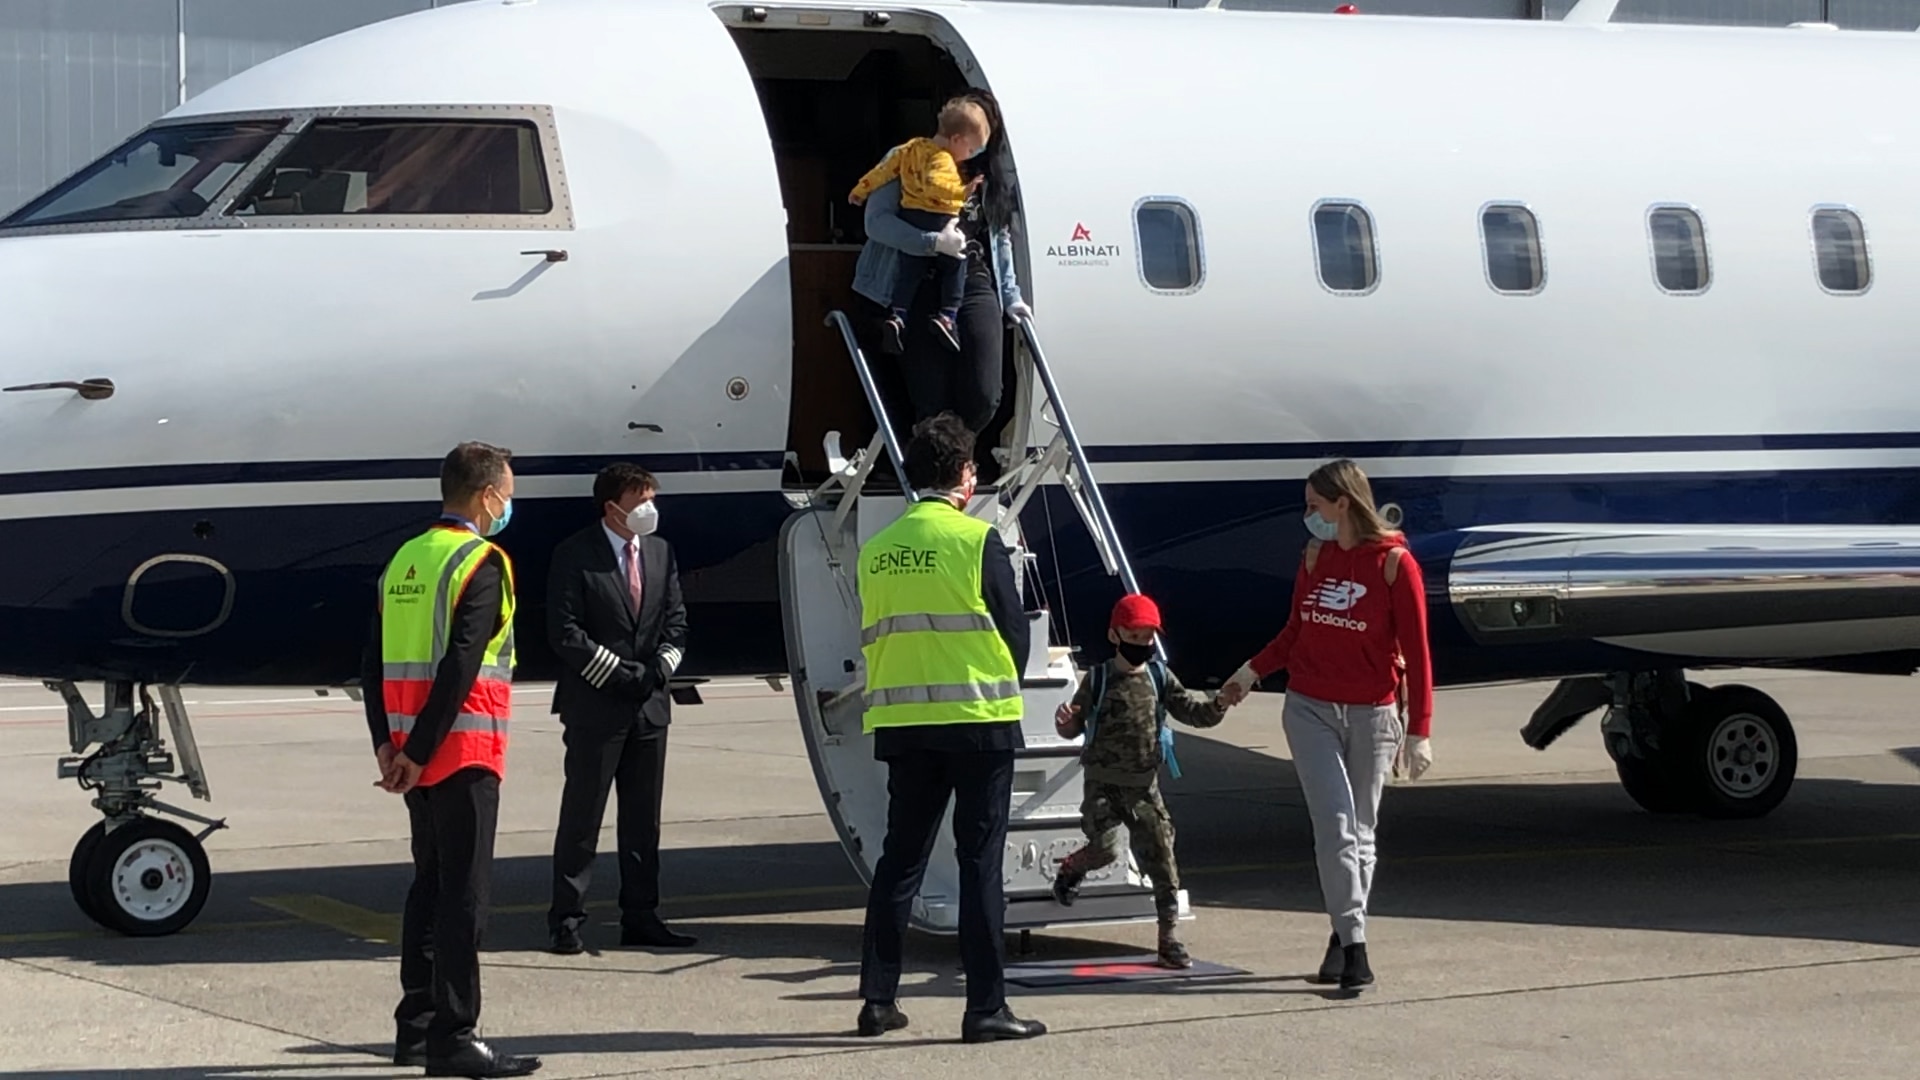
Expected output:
(414, 640)
(938, 624)
(933, 654)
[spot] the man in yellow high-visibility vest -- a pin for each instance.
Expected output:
(438, 686)
(945, 638)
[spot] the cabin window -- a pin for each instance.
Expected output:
(1344, 246)
(168, 172)
(1679, 241)
(1840, 250)
(403, 166)
(1510, 238)
(1168, 238)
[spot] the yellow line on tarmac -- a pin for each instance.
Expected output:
(709, 898)
(350, 919)
(78, 935)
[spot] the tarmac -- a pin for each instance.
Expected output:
(1529, 921)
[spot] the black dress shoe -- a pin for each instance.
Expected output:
(993, 1027)
(475, 1058)
(566, 942)
(1334, 964)
(654, 934)
(409, 1048)
(878, 1019)
(1357, 974)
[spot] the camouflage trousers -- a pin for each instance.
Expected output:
(1103, 812)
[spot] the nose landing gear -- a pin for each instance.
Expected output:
(134, 873)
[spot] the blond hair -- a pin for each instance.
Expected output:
(1343, 477)
(963, 117)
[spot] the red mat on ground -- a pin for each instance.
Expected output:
(1141, 968)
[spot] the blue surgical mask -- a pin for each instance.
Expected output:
(506, 515)
(1321, 528)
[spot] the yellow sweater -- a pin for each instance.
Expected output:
(929, 178)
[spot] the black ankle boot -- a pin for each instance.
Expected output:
(1334, 964)
(1066, 886)
(1357, 974)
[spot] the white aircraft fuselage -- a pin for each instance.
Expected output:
(1669, 478)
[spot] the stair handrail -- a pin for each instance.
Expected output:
(838, 319)
(1103, 521)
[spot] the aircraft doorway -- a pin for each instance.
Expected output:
(836, 97)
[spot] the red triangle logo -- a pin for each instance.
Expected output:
(1080, 232)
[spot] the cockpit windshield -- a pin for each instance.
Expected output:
(171, 171)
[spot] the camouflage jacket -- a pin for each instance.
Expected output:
(1125, 748)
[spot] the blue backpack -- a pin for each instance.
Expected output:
(1097, 684)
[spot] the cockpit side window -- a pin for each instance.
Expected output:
(381, 166)
(165, 172)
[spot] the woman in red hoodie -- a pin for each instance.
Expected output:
(1359, 618)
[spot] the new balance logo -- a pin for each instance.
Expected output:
(1333, 596)
(1339, 595)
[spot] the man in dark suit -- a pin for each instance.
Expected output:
(616, 621)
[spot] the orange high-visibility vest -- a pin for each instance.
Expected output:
(418, 596)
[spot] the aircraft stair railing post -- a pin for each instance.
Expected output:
(839, 321)
(1093, 506)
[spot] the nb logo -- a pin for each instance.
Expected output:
(1338, 595)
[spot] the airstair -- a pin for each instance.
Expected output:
(820, 603)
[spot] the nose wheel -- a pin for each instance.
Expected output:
(135, 873)
(147, 878)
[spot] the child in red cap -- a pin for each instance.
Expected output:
(1122, 707)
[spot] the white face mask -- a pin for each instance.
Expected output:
(643, 519)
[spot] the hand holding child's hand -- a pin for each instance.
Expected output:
(1065, 721)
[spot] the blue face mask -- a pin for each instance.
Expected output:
(1321, 528)
(500, 522)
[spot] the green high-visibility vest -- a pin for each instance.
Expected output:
(418, 596)
(933, 655)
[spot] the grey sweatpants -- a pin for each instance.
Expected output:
(1343, 755)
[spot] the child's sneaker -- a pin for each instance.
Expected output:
(1173, 954)
(949, 334)
(1066, 884)
(893, 333)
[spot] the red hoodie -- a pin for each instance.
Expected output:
(1339, 642)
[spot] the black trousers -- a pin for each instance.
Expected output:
(918, 787)
(949, 274)
(632, 760)
(446, 915)
(968, 384)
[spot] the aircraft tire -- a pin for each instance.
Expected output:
(1655, 784)
(80, 871)
(1739, 752)
(149, 878)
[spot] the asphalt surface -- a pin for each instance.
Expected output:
(1529, 920)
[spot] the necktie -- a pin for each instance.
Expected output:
(633, 573)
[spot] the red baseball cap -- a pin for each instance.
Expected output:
(1136, 612)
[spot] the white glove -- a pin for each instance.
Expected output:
(1415, 757)
(950, 241)
(1019, 310)
(1240, 685)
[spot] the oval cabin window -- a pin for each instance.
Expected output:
(1344, 247)
(1168, 232)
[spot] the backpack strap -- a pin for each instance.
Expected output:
(1391, 571)
(1097, 689)
(1158, 672)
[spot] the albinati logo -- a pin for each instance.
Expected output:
(1080, 250)
(410, 572)
(1332, 596)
